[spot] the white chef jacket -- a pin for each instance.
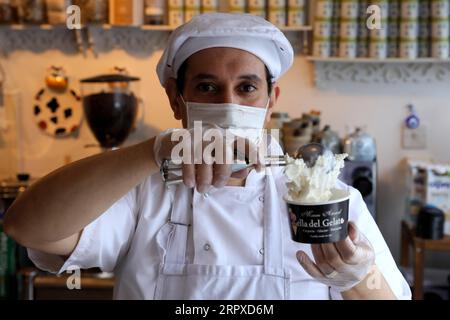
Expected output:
(227, 229)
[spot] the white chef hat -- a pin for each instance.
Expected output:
(241, 31)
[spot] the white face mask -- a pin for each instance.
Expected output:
(242, 121)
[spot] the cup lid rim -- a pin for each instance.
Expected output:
(340, 199)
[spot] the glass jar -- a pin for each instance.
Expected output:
(31, 11)
(93, 11)
(110, 104)
(6, 11)
(330, 139)
(360, 146)
(96, 11)
(154, 12)
(56, 11)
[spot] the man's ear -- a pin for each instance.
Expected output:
(273, 100)
(174, 98)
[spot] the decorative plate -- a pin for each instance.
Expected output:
(58, 114)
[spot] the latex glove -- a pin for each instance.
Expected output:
(163, 145)
(341, 265)
(208, 172)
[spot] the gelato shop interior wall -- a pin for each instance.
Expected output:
(380, 107)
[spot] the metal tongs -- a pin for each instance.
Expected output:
(172, 172)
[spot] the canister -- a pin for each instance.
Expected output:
(409, 29)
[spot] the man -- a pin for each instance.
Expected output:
(220, 235)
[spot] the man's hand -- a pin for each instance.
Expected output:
(214, 167)
(341, 265)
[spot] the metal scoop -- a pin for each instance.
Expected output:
(172, 173)
(310, 153)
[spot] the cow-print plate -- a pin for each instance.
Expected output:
(58, 114)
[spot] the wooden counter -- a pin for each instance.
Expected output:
(38, 285)
(419, 246)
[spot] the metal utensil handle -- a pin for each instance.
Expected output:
(168, 167)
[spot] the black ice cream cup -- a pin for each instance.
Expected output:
(321, 222)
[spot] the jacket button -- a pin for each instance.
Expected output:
(261, 251)
(206, 247)
(261, 198)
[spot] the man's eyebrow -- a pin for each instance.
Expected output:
(207, 76)
(252, 77)
(204, 76)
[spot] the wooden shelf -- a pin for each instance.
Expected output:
(103, 37)
(299, 28)
(147, 27)
(373, 60)
(31, 26)
(435, 245)
(109, 26)
(104, 26)
(158, 28)
(37, 285)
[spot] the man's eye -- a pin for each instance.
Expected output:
(206, 87)
(248, 88)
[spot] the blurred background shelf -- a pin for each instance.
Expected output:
(110, 26)
(39, 285)
(96, 38)
(373, 60)
(363, 71)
